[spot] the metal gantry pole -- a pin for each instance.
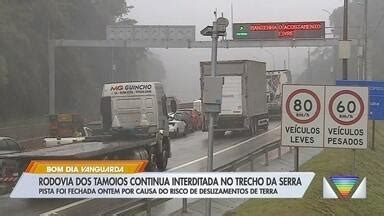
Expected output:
(345, 68)
(51, 76)
(211, 115)
(345, 38)
(309, 66)
(373, 134)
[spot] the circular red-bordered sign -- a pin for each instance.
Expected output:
(289, 112)
(349, 92)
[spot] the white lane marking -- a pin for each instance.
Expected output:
(55, 211)
(221, 151)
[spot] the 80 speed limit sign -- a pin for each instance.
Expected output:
(324, 116)
(302, 116)
(346, 117)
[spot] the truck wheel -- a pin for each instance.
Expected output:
(253, 127)
(218, 133)
(162, 157)
(152, 160)
(162, 160)
(265, 127)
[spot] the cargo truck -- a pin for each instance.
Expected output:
(244, 102)
(135, 127)
(275, 81)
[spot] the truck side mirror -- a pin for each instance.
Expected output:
(106, 112)
(173, 106)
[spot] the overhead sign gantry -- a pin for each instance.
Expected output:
(168, 36)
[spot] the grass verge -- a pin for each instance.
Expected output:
(331, 162)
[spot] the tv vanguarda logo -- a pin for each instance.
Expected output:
(344, 187)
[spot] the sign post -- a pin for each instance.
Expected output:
(324, 116)
(217, 29)
(302, 118)
(346, 117)
(376, 100)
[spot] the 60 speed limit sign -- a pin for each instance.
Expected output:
(302, 116)
(324, 116)
(346, 117)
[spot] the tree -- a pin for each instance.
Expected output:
(327, 67)
(26, 26)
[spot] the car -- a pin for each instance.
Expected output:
(8, 146)
(185, 117)
(196, 118)
(55, 141)
(177, 128)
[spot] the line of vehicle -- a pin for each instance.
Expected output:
(54, 211)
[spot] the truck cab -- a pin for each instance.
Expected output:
(134, 108)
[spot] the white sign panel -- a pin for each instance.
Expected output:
(150, 33)
(346, 117)
(302, 116)
(165, 185)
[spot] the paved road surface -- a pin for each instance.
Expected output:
(184, 151)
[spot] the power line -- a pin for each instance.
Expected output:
(378, 24)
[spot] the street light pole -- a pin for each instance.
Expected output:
(345, 38)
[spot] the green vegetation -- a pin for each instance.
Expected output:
(26, 26)
(325, 63)
(328, 163)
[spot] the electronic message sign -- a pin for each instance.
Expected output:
(279, 30)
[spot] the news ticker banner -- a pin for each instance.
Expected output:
(126, 179)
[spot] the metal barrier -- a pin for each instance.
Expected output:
(147, 204)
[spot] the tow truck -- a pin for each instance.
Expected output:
(135, 127)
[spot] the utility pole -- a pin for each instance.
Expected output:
(309, 66)
(345, 38)
(365, 47)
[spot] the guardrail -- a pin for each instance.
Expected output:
(146, 205)
(22, 132)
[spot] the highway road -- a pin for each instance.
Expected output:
(188, 154)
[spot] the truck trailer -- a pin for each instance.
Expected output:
(244, 102)
(135, 127)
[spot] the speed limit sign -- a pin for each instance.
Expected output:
(346, 117)
(302, 116)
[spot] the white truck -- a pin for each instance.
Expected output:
(275, 81)
(244, 102)
(135, 126)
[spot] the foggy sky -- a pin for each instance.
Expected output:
(182, 65)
